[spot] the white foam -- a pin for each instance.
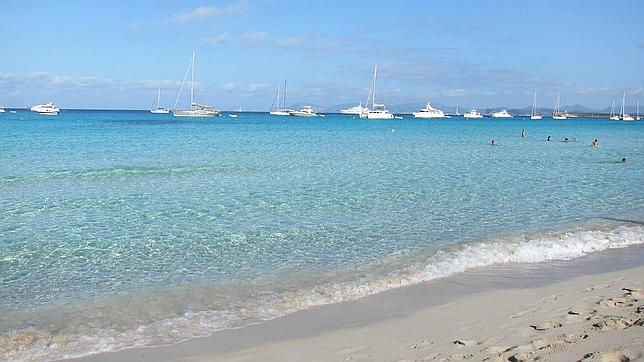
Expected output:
(535, 249)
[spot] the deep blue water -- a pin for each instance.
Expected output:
(116, 220)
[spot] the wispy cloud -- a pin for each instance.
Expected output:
(290, 42)
(208, 12)
(229, 86)
(217, 39)
(251, 38)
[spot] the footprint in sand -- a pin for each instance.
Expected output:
(616, 302)
(616, 323)
(462, 343)
(545, 326)
(422, 344)
(579, 315)
(459, 356)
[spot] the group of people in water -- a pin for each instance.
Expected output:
(595, 142)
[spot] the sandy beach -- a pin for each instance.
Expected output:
(587, 309)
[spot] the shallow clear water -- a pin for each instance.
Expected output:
(125, 228)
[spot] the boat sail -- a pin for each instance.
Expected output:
(196, 110)
(534, 114)
(556, 113)
(159, 109)
(276, 109)
(378, 111)
(622, 114)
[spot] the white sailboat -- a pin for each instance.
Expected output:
(429, 112)
(457, 114)
(623, 115)
(196, 110)
(534, 114)
(473, 114)
(159, 109)
(637, 112)
(276, 108)
(48, 109)
(377, 111)
(613, 116)
(502, 114)
(556, 113)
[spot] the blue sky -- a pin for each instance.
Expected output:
(115, 54)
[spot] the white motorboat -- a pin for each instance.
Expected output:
(278, 109)
(48, 109)
(534, 114)
(556, 113)
(2, 110)
(377, 111)
(502, 114)
(472, 114)
(623, 115)
(196, 110)
(429, 112)
(306, 111)
(158, 109)
(357, 110)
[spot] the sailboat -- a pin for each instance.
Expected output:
(196, 110)
(276, 109)
(613, 116)
(457, 114)
(623, 115)
(378, 111)
(159, 109)
(637, 114)
(534, 114)
(556, 113)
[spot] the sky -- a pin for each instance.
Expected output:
(116, 54)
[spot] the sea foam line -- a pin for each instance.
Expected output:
(30, 344)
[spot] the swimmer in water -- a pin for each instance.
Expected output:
(493, 143)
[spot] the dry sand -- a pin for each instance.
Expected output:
(580, 310)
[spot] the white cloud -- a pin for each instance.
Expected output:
(257, 87)
(217, 39)
(289, 42)
(208, 12)
(255, 38)
(229, 85)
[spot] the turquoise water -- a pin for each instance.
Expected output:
(124, 228)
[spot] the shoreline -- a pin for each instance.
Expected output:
(503, 290)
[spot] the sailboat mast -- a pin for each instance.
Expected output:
(375, 80)
(284, 96)
(623, 105)
(192, 82)
(159, 98)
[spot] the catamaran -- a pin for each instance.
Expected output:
(534, 114)
(429, 112)
(623, 115)
(196, 110)
(556, 113)
(276, 110)
(502, 114)
(377, 111)
(159, 109)
(306, 111)
(48, 109)
(473, 114)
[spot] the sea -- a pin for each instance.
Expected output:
(125, 228)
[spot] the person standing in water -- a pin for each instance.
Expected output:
(523, 134)
(548, 140)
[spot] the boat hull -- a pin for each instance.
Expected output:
(160, 111)
(378, 115)
(536, 117)
(279, 113)
(198, 114)
(426, 115)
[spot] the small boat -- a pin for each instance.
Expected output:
(556, 113)
(623, 115)
(232, 115)
(357, 110)
(196, 110)
(159, 109)
(48, 109)
(472, 114)
(502, 114)
(13, 112)
(429, 112)
(2, 110)
(306, 111)
(534, 114)
(276, 110)
(378, 111)
(613, 116)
